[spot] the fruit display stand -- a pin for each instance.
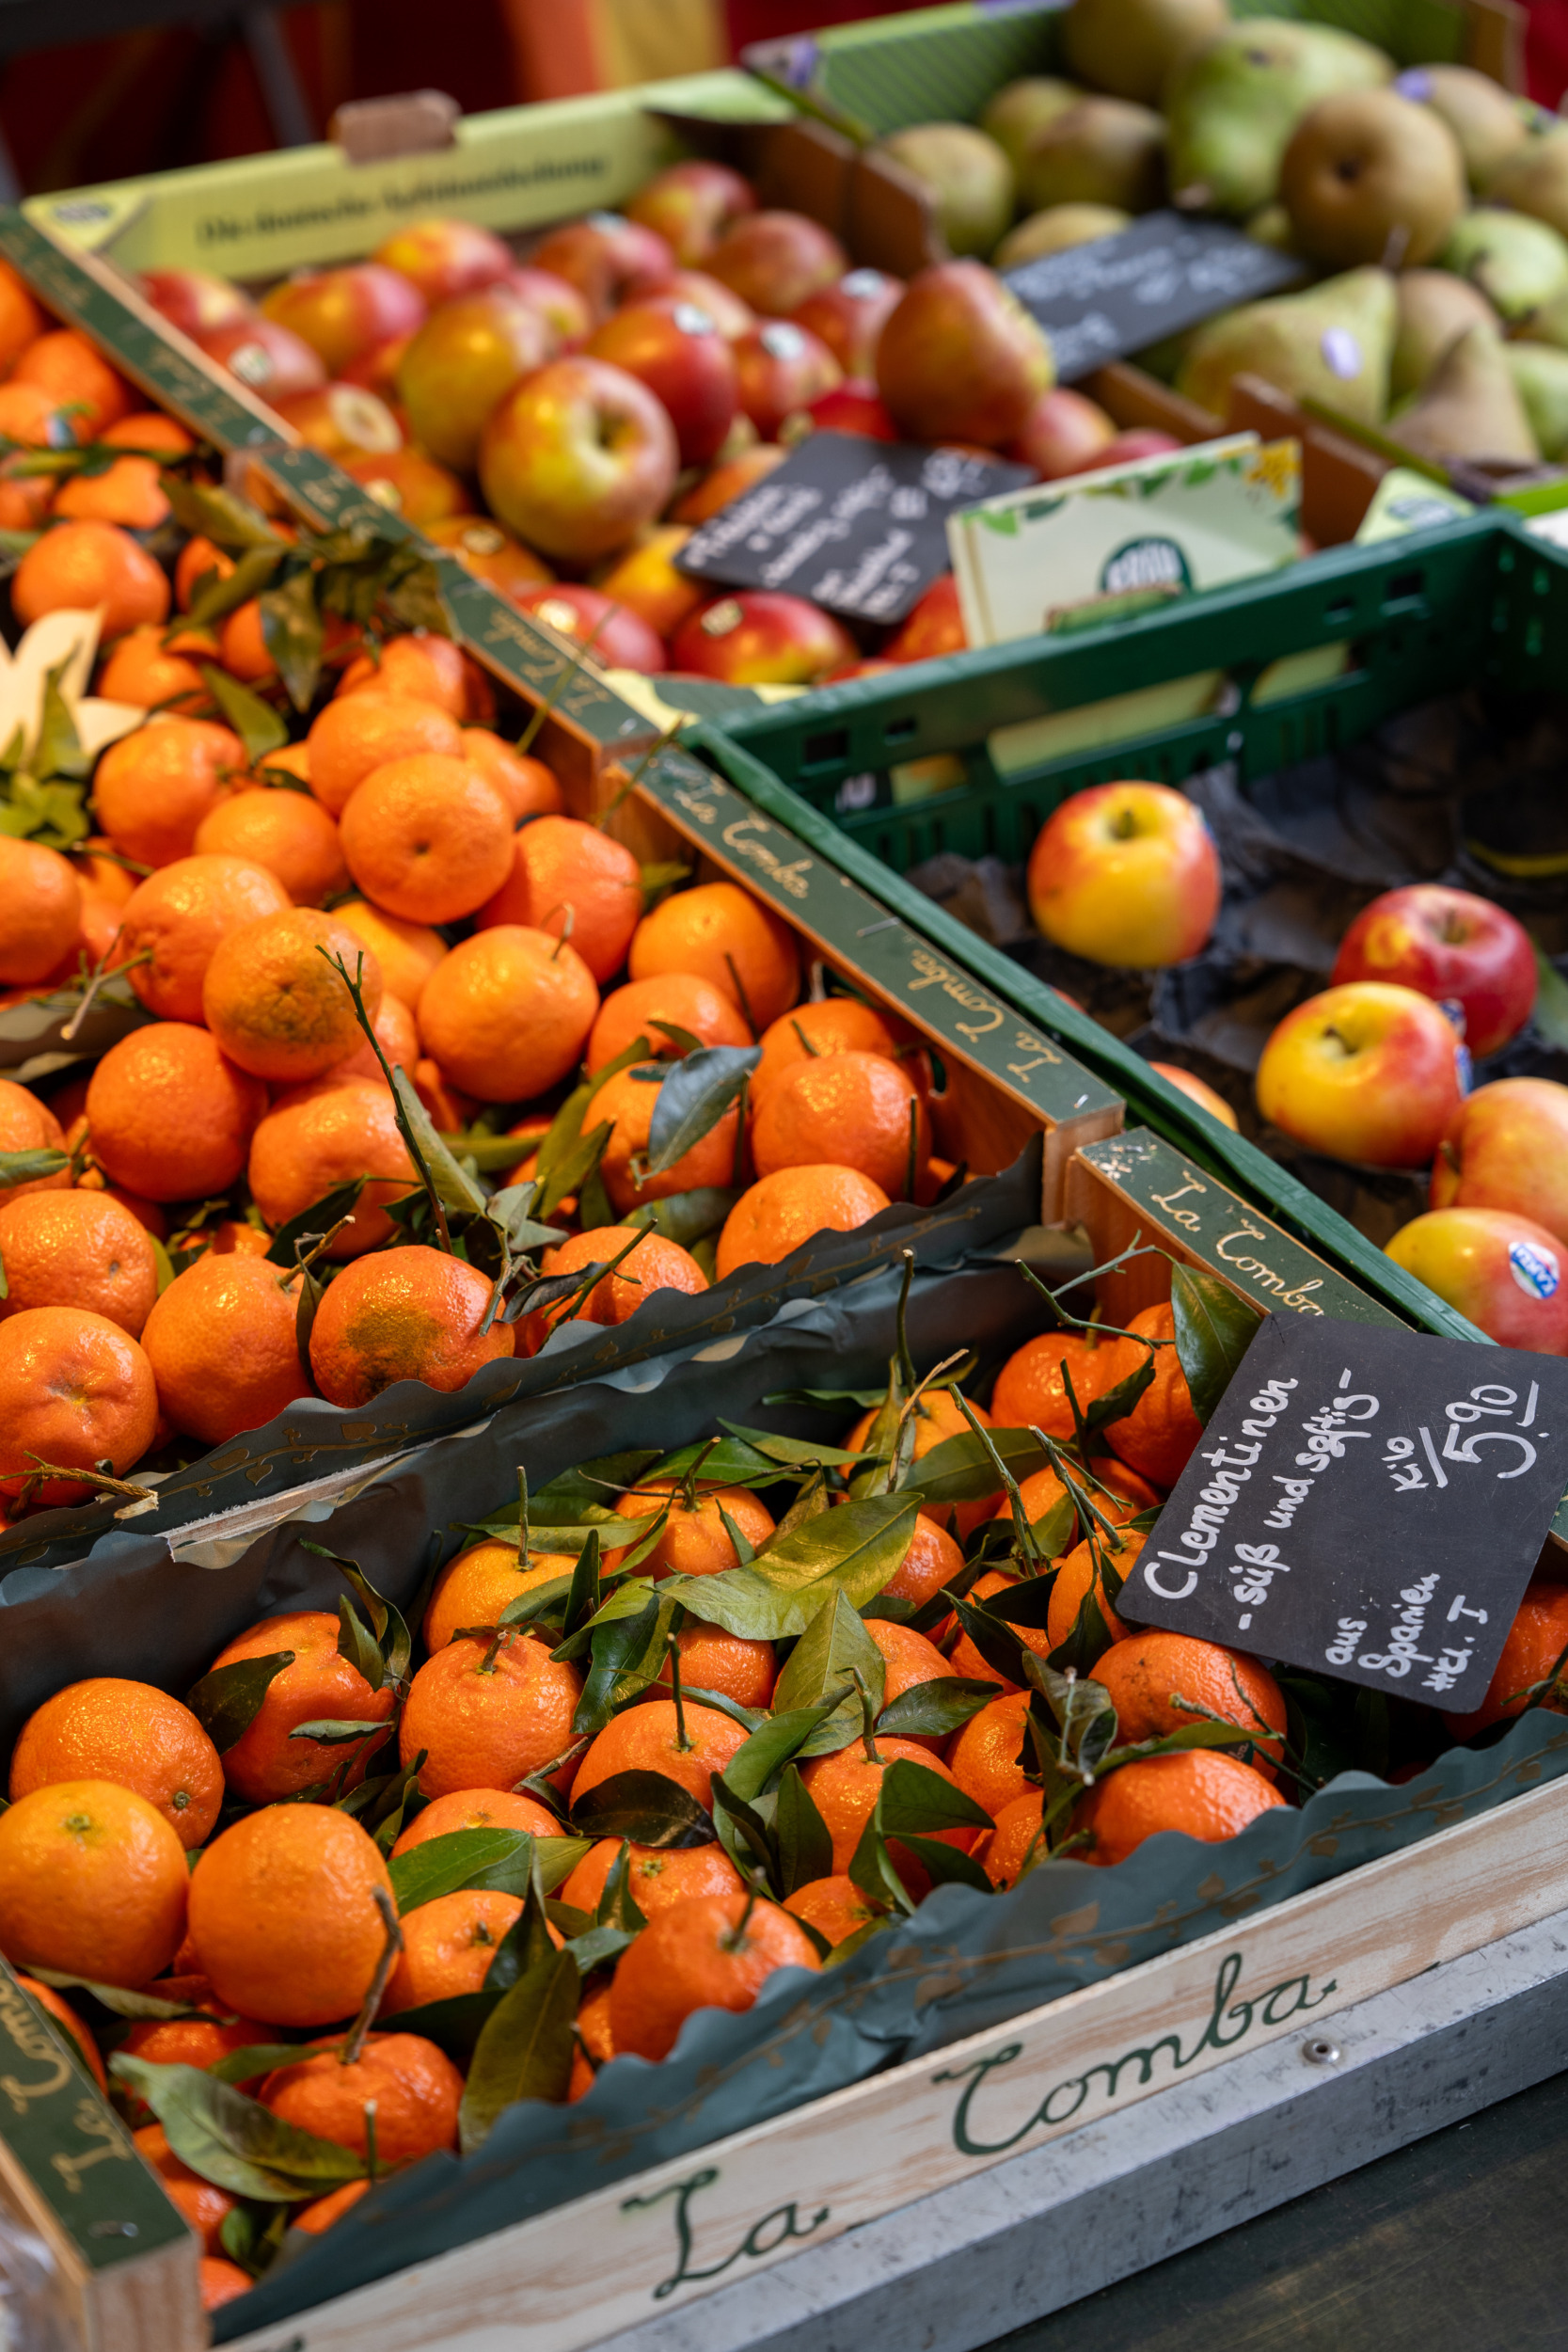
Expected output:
(953, 2084)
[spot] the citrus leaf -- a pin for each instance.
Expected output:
(319, 1219)
(227, 1701)
(913, 1799)
(591, 1486)
(525, 2049)
(1213, 1331)
(694, 1098)
(647, 1808)
(856, 1549)
(720, 1462)
(334, 1732)
(948, 1866)
(233, 2141)
(805, 1841)
(1116, 1404)
(777, 1739)
(454, 1187)
(997, 1644)
(961, 1470)
(222, 515)
(261, 2057)
(802, 1450)
(832, 1650)
(30, 1168)
(291, 633)
(357, 1646)
(685, 1216)
(500, 1859)
(118, 1998)
(628, 1654)
(257, 724)
(931, 1710)
(617, 1905)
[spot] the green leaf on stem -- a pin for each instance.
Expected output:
(804, 1840)
(1213, 1331)
(257, 724)
(227, 1701)
(855, 1550)
(233, 2141)
(929, 1711)
(694, 1098)
(822, 1667)
(524, 2050)
(647, 1808)
(291, 633)
(503, 1860)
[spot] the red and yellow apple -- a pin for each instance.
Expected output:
(1507, 1148)
(343, 420)
(760, 638)
(621, 640)
(1197, 1091)
(268, 358)
(558, 303)
(1125, 873)
(195, 301)
(692, 205)
(1366, 1072)
(609, 259)
(1063, 433)
(730, 315)
(933, 627)
(853, 407)
(850, 316)
(1455, 948)
(1503, 1271)
(343, 314)
(677, 351)
(774, 260)
(445, 258)
(577, 458)
(409, 484)
(782, 369)
(645, 580)
(464, 360)
(960, 358)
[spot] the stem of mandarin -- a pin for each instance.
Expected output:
(411, 1142)
(732, 1938)
(741, 998)
(102, 972)
(868, 1717)
(567, 928)
(348, 2054)
(681, 1741)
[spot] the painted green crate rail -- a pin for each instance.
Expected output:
(1154, 1102)
(1477, 602)
(943, 64)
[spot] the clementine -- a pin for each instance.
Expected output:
(92, 1882)
(324, 1135)
(292, 838)
(153, 788)
(223, 1347)
(133, 1734)
(780, 1212)
(414, 2087)
(283, 1916)
(1152, 1673)
(41, 910)
(80, 564)
(1202, 1793)
(77, 1250)
(427, 837)
(478, 1808)
(411, 1313)
(636, 1009)
(447, 1945)
(171, 1118)
(647, 1738)
(574, 883)
(507, 1013)
(654, 1878)
(274, 1000)
(76, 1390)
(180, 915)
(488, 1721)
(711, 1951)
(1159, 1435)
(473, 1589)
(360, 733)
(723, 933)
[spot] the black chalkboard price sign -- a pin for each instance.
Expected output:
(857, 525)
(1365, 1502)
(1097, 302)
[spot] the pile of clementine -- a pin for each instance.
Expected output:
(325, 1890)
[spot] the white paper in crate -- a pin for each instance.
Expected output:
(68, 643)
(1220, 512)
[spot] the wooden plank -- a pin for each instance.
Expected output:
(568, 2278)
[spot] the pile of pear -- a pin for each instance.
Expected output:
(1428, 207)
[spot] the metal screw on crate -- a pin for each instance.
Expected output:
(1321, 2052)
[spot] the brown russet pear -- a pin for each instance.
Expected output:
(1232, 104)
(1434, 309)
(968, 176)
(1470, 406)
(1102, 151)
(1333, 342)
(1021, 108)
(1055, 229)
(1533, 177)
(1127, 47)
(1370, 176)
(1487, 121)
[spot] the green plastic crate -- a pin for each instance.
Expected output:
(1475, 602)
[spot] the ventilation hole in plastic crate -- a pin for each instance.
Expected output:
(1403, 587)
(822, 751)
(899, 731)
(1541, 580)
(1338, 614)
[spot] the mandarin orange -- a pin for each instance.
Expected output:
(283, 1916)
(636, 1009)
(473, 1589)
(424, 668)
(1031, 1391)
(153, 788)
(129, 491)
(1152, 1672)
(414, 2087)
(506, 1014)
(695, 1542)
(989, 1754)
(92, 1882)
(859, 1106)
(649, 1266)
(844, 1786)
(428, 837)
(274, 1001)
(628, 1101)
(409, 1313)
(267, 1762)
(834, 1906)
(325, 1135)
(724, 934)
(354, 736)
(221, 1342)
(478, 1808)
(654, 1878)
(711, 1951)
(525, 784)
(203, 2205)
(1535, 1643)
(76, 1390)
(779, 1213)
(133, 1734)
(1015, 1843)
(1202, 1793)
(835, 1024)
(141, 670)
(447, 1945)
(726, 1663)
(171, 1115)
(1159, 1435)
(574, 883)
(75, 375)
(79, 565)
(28, 1125)
(178, 916)
(647, 1738)
(292, 836)
(60, 2010)
(488, 1721)
(41, 910)
(77, 1250)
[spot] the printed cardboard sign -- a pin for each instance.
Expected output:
(857, 525)
(1368, 1504)
(1097, 302)
(1066, 554)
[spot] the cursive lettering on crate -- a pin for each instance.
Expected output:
(1228, 2023)
(764, 2237)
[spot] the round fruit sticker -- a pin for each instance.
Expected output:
(1534, 1269)
(1341, 352)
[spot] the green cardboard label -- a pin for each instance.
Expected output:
(855, 930)
(1221, 1231)
(74, 2151)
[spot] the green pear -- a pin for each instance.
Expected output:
(1370, 176)
(1519, 265)
(1331, 342)
(1533, 177)
(1055, 229)
(1541, 379)
(1102, 151)
(1548, 322)
(1129, 46)
(1021, 108)
(1470, 406)
(1485, 119)
(1233, 104)
(1271, 225)
(1434, 309)
(967, 175)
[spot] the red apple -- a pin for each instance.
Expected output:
(1453, 946)
(646, 581)
(343, 420)
(268, 358)
(850, 316)
(729, 480)
(466, 359)
(761, 639)
(609, 259)
(773, 260)
(194, 300)
(1197, 1091)
(1367, 1071)
(782, 369)
(624, 641)
(692, 205)
(1063, 433)
(1125, 873)
(343, 314)
(934, 627)
(730, 315)
(444, 258)
(677, 351)
(409, 484)
(874, 665)
(558, 302)
(960, 360)
(1139, 441)
(1507, 1148)
(577, 457)
(852, 408)
(489, 552)
(377, 368)
(1502, 1271)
